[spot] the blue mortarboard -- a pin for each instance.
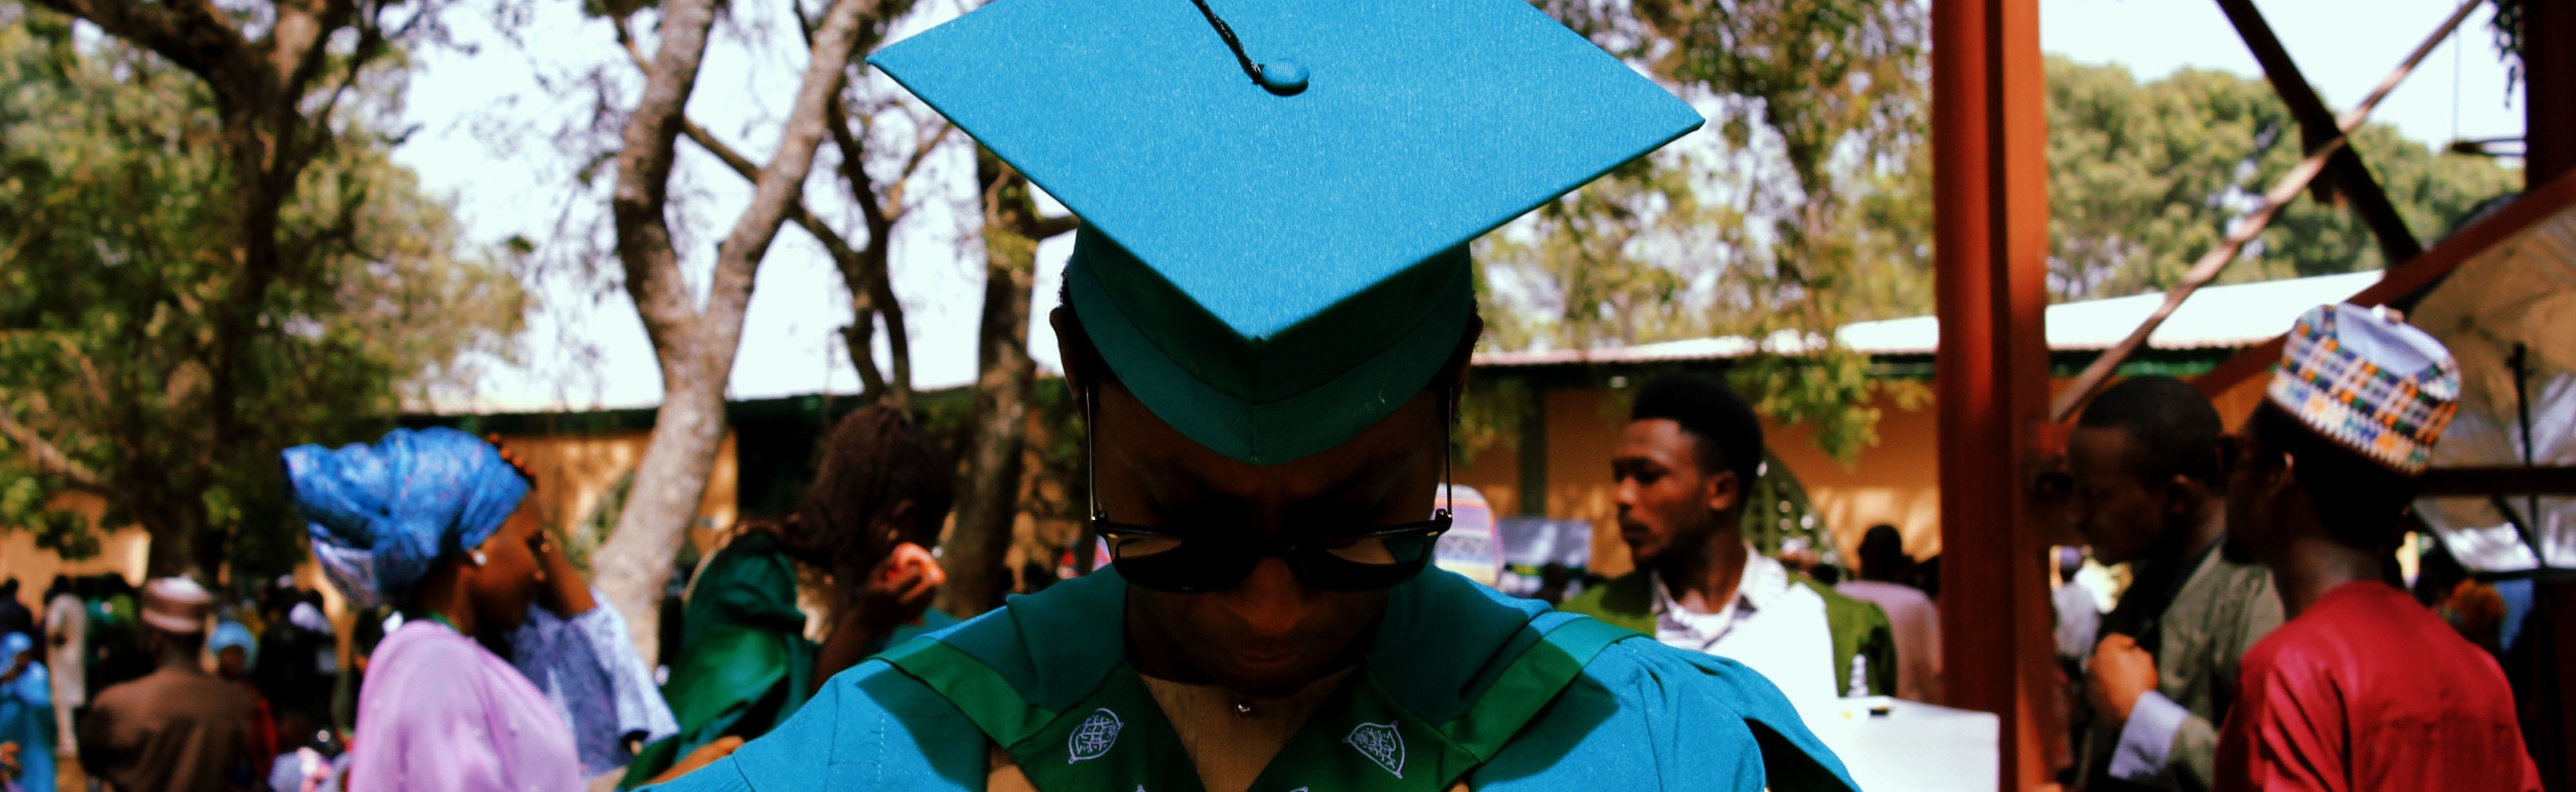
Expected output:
(1272, 268)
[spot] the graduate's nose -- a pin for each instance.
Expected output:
(1270, 600)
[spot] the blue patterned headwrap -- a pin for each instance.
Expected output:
(380, 514)
(12, 644)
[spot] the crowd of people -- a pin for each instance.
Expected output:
(480, 658)
(2263, 640)
(1263, 452)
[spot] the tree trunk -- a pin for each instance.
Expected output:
(988, 496)
(696, 348)
(634, 565)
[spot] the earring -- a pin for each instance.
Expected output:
(479, 558)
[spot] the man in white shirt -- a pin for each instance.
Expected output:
(1688, 458)
(1917, 623)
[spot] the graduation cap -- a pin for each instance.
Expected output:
(1277, 195)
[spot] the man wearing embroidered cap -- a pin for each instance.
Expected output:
(2362, 688)
(178, 728)
(1268, 316)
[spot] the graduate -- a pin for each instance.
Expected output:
(2363, 688)
(1269, 314)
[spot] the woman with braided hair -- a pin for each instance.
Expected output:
(859, 541)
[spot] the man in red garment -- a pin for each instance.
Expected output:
(2362, 688)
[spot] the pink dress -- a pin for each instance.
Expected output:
(439, 712)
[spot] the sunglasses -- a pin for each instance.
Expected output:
(1201, 560)
(1198, 561)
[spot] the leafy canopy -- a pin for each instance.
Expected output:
(116, 218)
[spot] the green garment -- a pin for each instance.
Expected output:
(1459, 682)
(744, 665)
(2220, 611)
(1052, 748)
(1860, 629)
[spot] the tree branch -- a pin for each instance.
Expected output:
(871, 274)
(782, 183)
(644, 161)
(191, 33)
(49, 458)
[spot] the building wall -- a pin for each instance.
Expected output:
(122, 551)
(575, 474)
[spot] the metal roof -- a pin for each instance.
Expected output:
(2216, 317)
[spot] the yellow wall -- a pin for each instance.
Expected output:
(121, 551)
(575, 471)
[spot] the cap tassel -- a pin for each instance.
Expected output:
(1284, 78)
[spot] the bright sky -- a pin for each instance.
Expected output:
(476, 142)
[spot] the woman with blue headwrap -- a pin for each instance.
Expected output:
(26, 712)
(431, 523)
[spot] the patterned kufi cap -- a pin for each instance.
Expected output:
(2377, 386)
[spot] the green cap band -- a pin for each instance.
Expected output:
(1274, 399)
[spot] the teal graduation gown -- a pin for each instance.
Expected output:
(1459, 682)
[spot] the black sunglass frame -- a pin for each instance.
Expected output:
(1203, 564)
(1314, 566)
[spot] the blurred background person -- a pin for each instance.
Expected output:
(232, 645)
(2471, 606)
(15, 617)
(1884, 567)
(177, 729)
(27, 711)
(575, 647)
(2079, 621)
(861, 537)
(66, 653)
(301, 660)
(2079, 616)
(2144, 459)
(117, 654)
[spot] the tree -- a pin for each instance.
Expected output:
(694, 343)
(865, 266)
(2145, 178)
(1752, 229)
(275, 75)
(135, 250)
(989, 492)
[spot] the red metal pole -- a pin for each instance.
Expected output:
(1990, 193)
(2549, 89)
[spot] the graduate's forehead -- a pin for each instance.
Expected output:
(1182, 477)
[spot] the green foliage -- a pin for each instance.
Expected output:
(1763, 226)
(1490, 415)
(584, 536)
(1777, 510)
(2144, 178)
(2507, 27)
(117, 218)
